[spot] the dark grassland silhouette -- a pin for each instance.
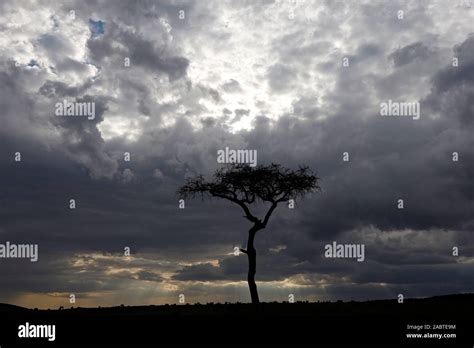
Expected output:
(371, 322)
(245, 185)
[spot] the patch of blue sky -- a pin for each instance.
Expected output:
(97, 28)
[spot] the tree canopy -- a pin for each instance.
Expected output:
(244, 185)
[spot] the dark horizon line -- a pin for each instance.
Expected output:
(4, 306)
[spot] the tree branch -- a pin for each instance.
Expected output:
(269, 213)
(248, 214)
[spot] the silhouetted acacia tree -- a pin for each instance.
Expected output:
(245, 185)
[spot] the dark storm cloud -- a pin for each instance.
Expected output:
(239, 113)
(142, 52)
(214, 94)
(71, 65)
(82, 139)
(453, 87)
(363, 53)
(55, 45)
(201, 272)
(365, 189)
(409, 53)
(232, 86)
(281, 77)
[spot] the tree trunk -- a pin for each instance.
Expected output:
(252, 256)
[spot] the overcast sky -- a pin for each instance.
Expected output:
(264, 75)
